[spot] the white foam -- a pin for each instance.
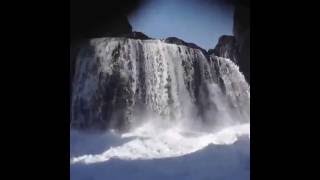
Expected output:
(147, 143)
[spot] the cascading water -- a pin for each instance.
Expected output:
(170, 99)
(121, 83)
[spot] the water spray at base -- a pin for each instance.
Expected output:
(172, 100)
(149, 144)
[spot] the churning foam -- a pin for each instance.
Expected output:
(148, 143)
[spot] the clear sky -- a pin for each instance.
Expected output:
(191, 20)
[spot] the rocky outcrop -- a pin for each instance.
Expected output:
(100, 27)
(177, 41)
(227, 47)
(100, 18)
(237, 47)
(136, 35)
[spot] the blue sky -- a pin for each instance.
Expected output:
(191, 20)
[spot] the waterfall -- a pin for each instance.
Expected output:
(121, 83)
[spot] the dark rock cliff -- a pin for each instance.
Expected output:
(241, 30)
(227, 47)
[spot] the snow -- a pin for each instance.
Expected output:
(171, 154)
